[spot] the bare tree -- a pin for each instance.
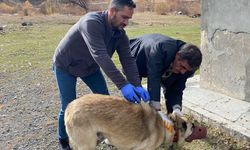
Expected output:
(81, 3)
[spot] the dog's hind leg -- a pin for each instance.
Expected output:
(84, 139)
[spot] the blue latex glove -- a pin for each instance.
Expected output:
(143, 93)
(128, 91)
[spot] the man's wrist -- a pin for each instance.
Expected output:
(176, 106)
(156, 105)
(177, 110)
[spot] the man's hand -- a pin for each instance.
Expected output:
(143, 94)
(128, 91)
(156, 105)
(177, 111)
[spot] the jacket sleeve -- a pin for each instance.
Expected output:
(175, 91)
(93, 34)
(155, 67)
(127, 61)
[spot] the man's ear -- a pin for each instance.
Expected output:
(177, 55)
(112, 11)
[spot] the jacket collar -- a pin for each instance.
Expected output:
(115, 33)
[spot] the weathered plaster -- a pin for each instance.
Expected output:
(225, 46)
(247, 85)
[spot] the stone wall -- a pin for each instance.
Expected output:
(225, 44)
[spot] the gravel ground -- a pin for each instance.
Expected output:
(28, 112)
(29, 105)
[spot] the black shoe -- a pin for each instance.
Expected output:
(64, 145)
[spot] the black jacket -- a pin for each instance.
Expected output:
(154, 54)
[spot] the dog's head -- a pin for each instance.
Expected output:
(185, 130)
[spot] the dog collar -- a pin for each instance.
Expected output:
(176, 135)
(168, 124)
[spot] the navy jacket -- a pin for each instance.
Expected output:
(154, 54)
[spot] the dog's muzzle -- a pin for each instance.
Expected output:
(199, 132)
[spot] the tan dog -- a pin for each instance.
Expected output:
(127, 126)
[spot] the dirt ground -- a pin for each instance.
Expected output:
(29, 105)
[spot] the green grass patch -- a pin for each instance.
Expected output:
(186, 33)
(25, 48)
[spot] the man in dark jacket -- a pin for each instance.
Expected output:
(87, 47)
(168, 63)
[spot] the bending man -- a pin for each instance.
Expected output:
(165, 62)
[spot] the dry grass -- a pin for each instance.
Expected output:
(163, 7)
(4, 8)
(49, 7)
(8, 19)
(27, 8)
(148, 18)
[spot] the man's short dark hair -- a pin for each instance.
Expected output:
(192, 54)
(119, 4)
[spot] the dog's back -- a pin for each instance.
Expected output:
(125, 125)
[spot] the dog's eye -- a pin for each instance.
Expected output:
(184, 125)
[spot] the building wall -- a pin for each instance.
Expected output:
(225, 44)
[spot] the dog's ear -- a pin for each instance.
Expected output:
(177, 119)
(173, 117)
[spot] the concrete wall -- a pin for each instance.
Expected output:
(225, 44)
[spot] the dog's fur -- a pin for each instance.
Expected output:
(127, 126)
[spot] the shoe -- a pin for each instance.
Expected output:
(64, 145)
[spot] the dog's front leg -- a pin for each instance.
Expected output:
(100, 138)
